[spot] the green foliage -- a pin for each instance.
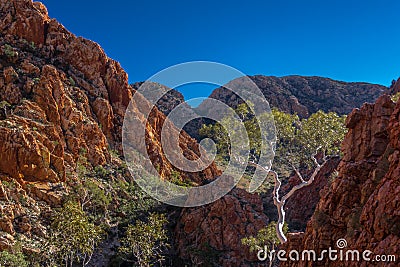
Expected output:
(71, 81)
(220, 136)
(114, 153)
(9, 51)
(333, 176)
(265, 237)
(93, 198)
(36, 80)
(4, 104)
(73, 237)
(23, 200)
(322, 130)
(99, 199)
(395, 97)
(14, 257)
(133, 201)
(31, 45)
(101, 172)
(175, 178)
(297, 140)
(145, 242)
(285, 126)
(81, 165)
(10, 185)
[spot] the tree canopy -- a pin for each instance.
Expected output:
(298, 143)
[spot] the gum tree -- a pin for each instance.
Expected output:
(300, 143)
(73, 237)
(145, 242)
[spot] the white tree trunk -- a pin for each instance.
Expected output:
(280, 202)
(281, 222)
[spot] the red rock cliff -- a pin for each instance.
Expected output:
(61, 98)
(362, 204)
(66, 94)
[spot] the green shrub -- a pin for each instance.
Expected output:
(175, 178)
(32, 45)
(10, 259)
(265, 237)
(145, 242)
(73, 238)
(4, 104)
(92, 198)
(114, 153)
(101, 172)
(395, 97)
(133, 200)
(9, 51)
(333, 176)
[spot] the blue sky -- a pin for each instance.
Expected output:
(344, 40)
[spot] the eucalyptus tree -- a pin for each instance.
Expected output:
(297, 143)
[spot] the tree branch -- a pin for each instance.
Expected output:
(297, 172)
(309, 181)
(277, 187)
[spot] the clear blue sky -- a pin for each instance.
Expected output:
(344, 40)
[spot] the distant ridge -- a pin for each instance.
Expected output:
(303, 95)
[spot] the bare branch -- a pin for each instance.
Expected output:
(305, 183)
(314, 156)
(297, 172)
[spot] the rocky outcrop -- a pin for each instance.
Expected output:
(62, 99)
(169, 101)
(361, 205)
(395, 88)
(67, 95)
(212, 234)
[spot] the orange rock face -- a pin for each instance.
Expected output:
(62, 98)
(362, 204)
(68, 90)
